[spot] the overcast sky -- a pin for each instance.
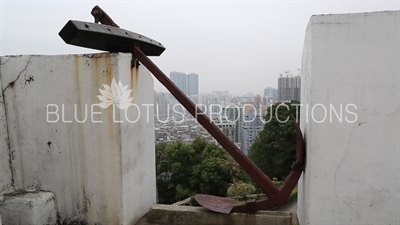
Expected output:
(239, 46)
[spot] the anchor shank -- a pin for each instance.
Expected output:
(255, 173)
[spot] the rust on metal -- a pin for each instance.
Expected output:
(255, 173)
(288, 185)
(285, 190)
(101, 16)
(215, 203)
(107, 38)
(276, 195)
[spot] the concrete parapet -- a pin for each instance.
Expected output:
(6, 183)
(188, 215)
(350, 119)
(82, 127)
(28, 208)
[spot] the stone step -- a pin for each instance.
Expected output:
(28, 208)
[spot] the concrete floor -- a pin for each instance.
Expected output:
(290, 207)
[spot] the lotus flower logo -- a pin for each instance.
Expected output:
(116, 94)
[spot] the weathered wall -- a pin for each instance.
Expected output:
(99, 166)
(6, 184)
(352, 168)
(28, 208)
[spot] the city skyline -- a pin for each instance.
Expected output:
(187, 83)
(235, 46)
(177, 78)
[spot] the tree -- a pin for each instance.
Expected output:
(241, 189)
(198, 145)
(235, 171)
(199, 167)
(179, 160)
(274, 150)
(195, 167)
(208, 176)
(160, 152)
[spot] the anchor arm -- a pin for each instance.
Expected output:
(288, 185)
(277, 196)
(298, 166)
(255, 173)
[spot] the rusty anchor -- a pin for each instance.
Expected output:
(108, 36)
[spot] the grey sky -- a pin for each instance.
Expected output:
(236, 46)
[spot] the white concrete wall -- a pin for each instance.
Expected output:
(101, 172)
(6, 183)
(352, 168)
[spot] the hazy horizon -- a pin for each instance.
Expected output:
(235, 46)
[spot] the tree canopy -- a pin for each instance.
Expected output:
(274, 150)
(204, 167)
(200, 167)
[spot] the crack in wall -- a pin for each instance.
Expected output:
(338, 167)
(8, 138)
(3, 93)
(12, 83)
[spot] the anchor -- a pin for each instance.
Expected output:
(107, 36)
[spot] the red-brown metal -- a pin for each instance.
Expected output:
(215, 203)
(102, 17)
(276, 196)
(218, 205)
(298, 166)
(255, 173)
(288, 185)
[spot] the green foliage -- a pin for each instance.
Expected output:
(276, 181)
(293, 195)
(241, 189)
(179, 159)
(199, 144)
(202, 167)
(210, 177)
(196, 168)
(274, 150)
(235, 170)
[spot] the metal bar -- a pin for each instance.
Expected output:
(106, 38)
(258, 176)
(101, 16)
(297, 167)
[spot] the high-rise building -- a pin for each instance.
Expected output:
(192, 84)
(222, 98)
(265, 100)
(289, 87)
(252, 126)
(257, 101)
(271, 93)
(227, 127)
(188, 84)
(179, 80)
(296, 84)
(161, 103)
(234, 113)
(285, 93)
